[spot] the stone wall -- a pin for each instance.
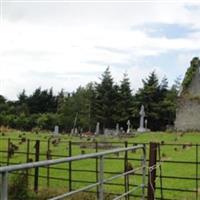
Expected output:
(194, 88)
(188, 110)
(188, 115)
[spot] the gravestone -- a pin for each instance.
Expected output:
(117, 129)
(97, 128)
(142, 115)
(128, 124)
(76, 131)
(122, 130)
(108, 131)
(56, 130)
(145, 123)
(188, 102)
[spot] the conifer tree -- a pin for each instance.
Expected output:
(149, 97)
(125, 103)
(106, 100)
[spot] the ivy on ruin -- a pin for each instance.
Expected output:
(195, 63)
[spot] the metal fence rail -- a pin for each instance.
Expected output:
(4, 171)
(186, 182)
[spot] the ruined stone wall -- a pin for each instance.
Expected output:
(188, 115)
(194, 88)
(188, 110)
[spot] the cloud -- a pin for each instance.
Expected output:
(65, 45)
(167, 30)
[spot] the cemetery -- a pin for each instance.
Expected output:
(139, 157)
(99, 100)
(180, 148)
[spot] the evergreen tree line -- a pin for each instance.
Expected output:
(105, 102)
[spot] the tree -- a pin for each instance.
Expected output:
(149, 96)
(125, 102)
(105, 100)
(159, 102)
(42, 101)
(22, 97)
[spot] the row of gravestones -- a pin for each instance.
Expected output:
(118, 130)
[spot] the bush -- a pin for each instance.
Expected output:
(190, 73)
(47, 121)
(19, 190)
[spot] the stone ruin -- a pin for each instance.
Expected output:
(188, 103)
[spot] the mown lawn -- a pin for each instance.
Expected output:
(170, 153)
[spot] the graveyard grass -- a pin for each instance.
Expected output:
(168, 152)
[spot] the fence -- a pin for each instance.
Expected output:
(101, 180)
(177, 166)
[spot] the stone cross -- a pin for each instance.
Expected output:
(128, 124)
(142, 115)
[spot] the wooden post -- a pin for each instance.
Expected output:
(37, 155)
(27, 159)
(152, 171)
(70, 167)
(160, 168)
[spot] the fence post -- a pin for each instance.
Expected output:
(37, 155)
(197, 169)
(97, 178)
(143, 171)
(8, 152)
(101, 172)
(70, 167)
(160, 168)
(4, 185)
(27, 158)
(152, 170)
(126, 177)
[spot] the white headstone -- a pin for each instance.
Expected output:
(97, 128)
(56, 130)
(117, 129)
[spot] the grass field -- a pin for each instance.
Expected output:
(170, 153)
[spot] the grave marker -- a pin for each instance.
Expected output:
(56, 130)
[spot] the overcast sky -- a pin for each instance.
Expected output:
(64, 44)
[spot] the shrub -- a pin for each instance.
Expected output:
(190, 72)
(18, 189)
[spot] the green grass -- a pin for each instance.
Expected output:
(168, 169)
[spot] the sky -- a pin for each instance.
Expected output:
(65, 44)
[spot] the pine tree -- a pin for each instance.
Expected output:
(149, 96)
(125, 103)
(106, 100)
